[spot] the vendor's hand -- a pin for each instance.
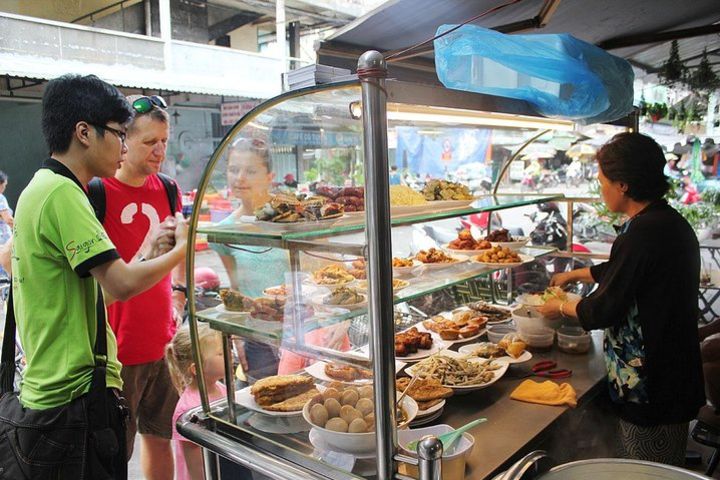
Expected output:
(551, 308)
(561, 279)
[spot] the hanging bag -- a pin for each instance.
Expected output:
(72, 441)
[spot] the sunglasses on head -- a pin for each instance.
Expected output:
(145, 104)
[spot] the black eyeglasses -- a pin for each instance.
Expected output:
(145, 104)
(120, 134)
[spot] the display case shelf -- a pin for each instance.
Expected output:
(273, 234)
(429, 281)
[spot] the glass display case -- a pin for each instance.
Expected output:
(321, 246)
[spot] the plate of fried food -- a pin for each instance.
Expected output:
(342, 297)
(493, 313)
(466, 245)
(434, 258)
(404, 266)
(289, 209)
(412, 345)
(332, 276)
(358, 269)
(280, 292)
(279, 395)
(443, 190)
(501, 257)
(459, 372)
(262, 308)
(510, 349)
(429, 394)
(346, 374)
(398, 284)
(502, 238)
(461, 325)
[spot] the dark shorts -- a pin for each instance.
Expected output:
(151, 397)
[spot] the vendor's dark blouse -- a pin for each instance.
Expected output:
(647, 303)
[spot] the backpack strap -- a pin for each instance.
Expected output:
(171, 189)
(96, 193)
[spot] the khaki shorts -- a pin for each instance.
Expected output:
(151, 398)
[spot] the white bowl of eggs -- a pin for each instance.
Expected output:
(345, 419)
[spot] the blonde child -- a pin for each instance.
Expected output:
(178, 354)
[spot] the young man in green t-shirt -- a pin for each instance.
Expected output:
(61, 252)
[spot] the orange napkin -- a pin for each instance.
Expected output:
(545, 393)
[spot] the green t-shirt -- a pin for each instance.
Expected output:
(57, 240)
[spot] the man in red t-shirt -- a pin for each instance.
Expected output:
(136, 202)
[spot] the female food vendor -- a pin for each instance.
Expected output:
(646, 301)
(253, 269)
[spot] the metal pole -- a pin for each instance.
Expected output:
(372, 70)
(148, 18)
(430, 451)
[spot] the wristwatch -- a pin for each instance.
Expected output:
(180, 288)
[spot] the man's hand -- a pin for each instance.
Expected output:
(178, 304)
(181, 231)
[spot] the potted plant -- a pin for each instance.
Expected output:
(656, 111)
(704, 79)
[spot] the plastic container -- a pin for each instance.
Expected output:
(538, 341)
(496, 333)
(529, 320)
(573, 340)
(453, 460)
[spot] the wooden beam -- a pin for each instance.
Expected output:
(658, 37)
(229, 24)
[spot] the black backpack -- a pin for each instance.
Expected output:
(96, 192)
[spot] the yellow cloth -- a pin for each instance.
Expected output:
(545, 393)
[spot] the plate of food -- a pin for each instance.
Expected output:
(278, 291)
(291, 209)
(412, 345)
(459, 326)
(502, 238)
(434, 258)
(404, 266)
(465, 244)
(459, 372)
(279, 395)
(342, 297)
(347, 374)
(358, 269)
(501, 257)
(443, 190)
(332, 276)
(494, 314)
(429, 394)
(398, 284)
(511, 352)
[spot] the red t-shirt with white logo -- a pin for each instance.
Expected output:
(144, 324)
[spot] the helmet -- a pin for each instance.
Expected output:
(206, 278)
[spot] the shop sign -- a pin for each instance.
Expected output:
(231, 112)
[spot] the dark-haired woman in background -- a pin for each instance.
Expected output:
(646, 302)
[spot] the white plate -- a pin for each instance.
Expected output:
(435, 408)
(470, 349)
(288, 288)
(222, 309)
(497, 374)
(317, 370)
(535, 299)
(312, 282)
(437, 337)
(426, 419)
(279, 425)
(429, 206)
(519, 242)
(439, 265)
(317, 300)
(244, 398)
(318, 442)
(464, 253)
(524, 258)
(420, 354)
(300, 226)
(400, 271)
(362, 285)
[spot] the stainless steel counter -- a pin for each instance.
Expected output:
(512, 424)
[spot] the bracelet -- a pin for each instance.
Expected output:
(562, 314)
(180, 288)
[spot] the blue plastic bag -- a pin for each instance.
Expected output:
(559, 75)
